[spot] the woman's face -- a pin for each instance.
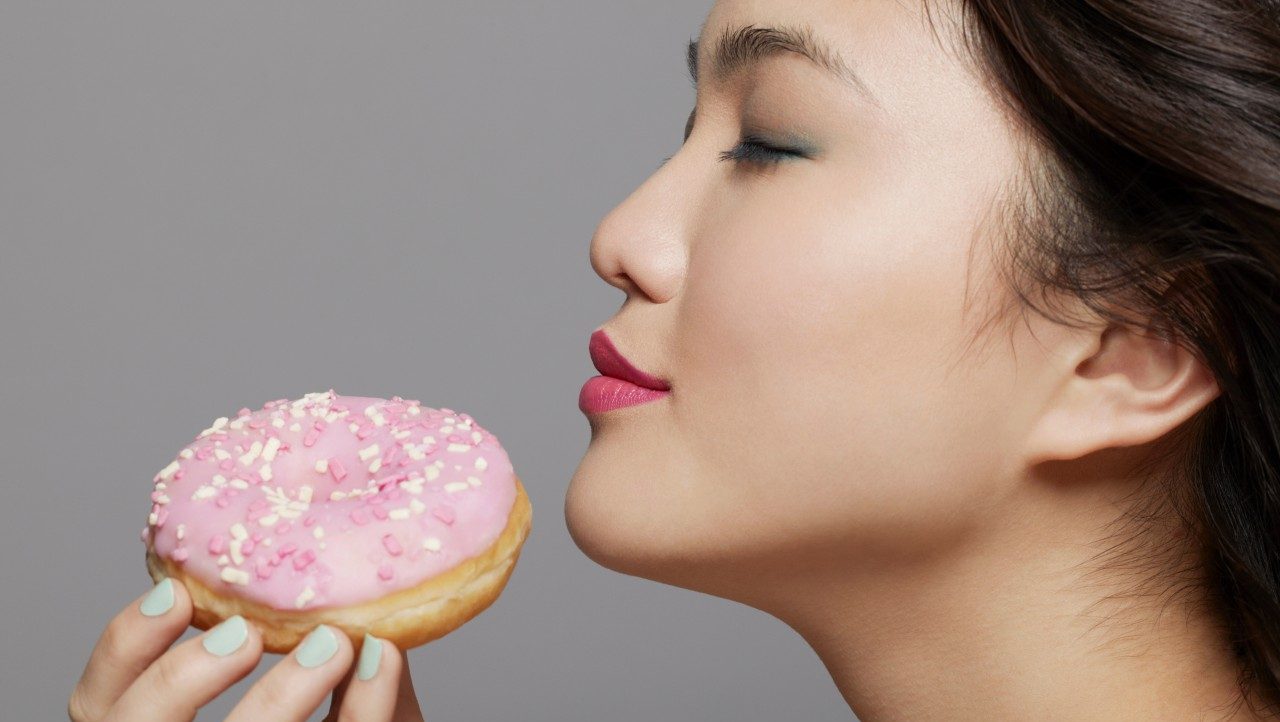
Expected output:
(814, 318)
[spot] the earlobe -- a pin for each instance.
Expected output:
(1128, 387)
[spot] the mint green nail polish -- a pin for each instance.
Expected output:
(227, 637)
(370, 657)
(160, 600)
(318, 647)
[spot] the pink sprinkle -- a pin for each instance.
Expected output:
(392, 545)
(180, 554)
(319, 425)
(204, 452)
(444, 514)
(155, 495)
(263, 568)
(390, 455)
(161, 516)
(177, 475)
(310, 439)
(303, 560)
(379, 512)
(233, 492)
(386, 572)
(364, 432)
(254, 514)
(337, 470)
(376, 499)
(275, 559)
(359, 518)
(146, 532)
(404, 462)
(257, 423)
(217, 544)
(227, 464)
(258, 504)
(222, 502)
(244, 411)
(283, 527)
(246, 547)
(454, 438)
(288, 549)
(256, 537)
(309, 521)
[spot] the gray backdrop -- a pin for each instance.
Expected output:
(206, 206)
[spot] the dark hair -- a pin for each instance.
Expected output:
(1156, 202)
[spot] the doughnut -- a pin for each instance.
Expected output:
(371, 515)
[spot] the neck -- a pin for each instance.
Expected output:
(1017, 624)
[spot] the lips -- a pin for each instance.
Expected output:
(620, 384)
(610, 362)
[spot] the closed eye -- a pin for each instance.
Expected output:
(756, 151)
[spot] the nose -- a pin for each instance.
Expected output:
(641, 246)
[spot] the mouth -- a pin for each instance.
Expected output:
(620, 384)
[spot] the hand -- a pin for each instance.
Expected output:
(133, 674)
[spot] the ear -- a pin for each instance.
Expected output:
(1121, 387)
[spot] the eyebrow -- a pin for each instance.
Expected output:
(738, 49)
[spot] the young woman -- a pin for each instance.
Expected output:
(951, 340)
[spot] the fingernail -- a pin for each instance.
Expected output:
(318, 647)
(160, 600)
(370, 657)
(227, 637)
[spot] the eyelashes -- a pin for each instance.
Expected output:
(755, 151)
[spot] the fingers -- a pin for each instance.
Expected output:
(135, 638)
(296, 686)
(186, 677)
(372, 692)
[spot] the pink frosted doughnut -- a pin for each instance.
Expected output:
(372, 515)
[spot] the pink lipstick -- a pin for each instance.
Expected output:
(620, 384)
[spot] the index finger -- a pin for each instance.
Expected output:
(134, 638)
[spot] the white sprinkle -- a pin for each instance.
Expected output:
(476, 436)
(400, 513)
(354, 427)
(295, 427)
(269, 451)
(307, 595)
(473, 481)
(277, 422)
(182, 531)
(416, 506)
(322, 466)
(375, 465)
(401, 435)
(481, 464)
(265, 472)
(369, 452)
(162, 499)
(415, 452)
(432, 472)
(204, 492)
(249, 456)
(304, 494)
(446, 429)
(237, 424)
(219, 422)
(238, 531)
(236, 556)
(297, 413)
(456, 486)
(224, 560)
(239, 484)
(428, 440)
(235, 576)
(431, 544)
(458, 448)
(336, 496)
(167, 472)
(221, 454)
(317, 532)
(413, 411)
(219, 480)
(152, 518)
(187, 453)
(268, 520)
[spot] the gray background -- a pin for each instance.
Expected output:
(206, 206)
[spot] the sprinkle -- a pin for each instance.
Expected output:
(337, 470)
(204, 492)
(398, 514)
(415, 453)
(295, 427)
(221, 454)
(432, 472)
(235, 576)
(307, 595)
(431, 544)
(457, 448)
(222, 502)
(318, 532)
(269, 520)
(269, 451)
(391, 544)
(476, 437)
(304, 494)
(253, 452)
(182, 531)
(375, 465)
(304, 560)
(416, 506)
(322, 466)
(265, 472)
(217, 544)
(359, 518)
(263, 568)
(224, 560)
(310, 439)
(386, 572)
(180, 554)
(237, 555)
(167, 472)
(336, 496)
(456, 486)
(186, 453)
(444, 514)
(369, 452)
(481, 464)
(473, 481)
(379, 513)
(278, 422)
(238, 531)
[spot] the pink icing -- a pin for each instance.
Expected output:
(436, 490)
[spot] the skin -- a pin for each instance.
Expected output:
(837, 450)
(135, 674)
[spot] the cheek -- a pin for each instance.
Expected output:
(820, 351)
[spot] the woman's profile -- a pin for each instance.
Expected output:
(951, 339)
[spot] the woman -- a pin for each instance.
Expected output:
(958, 323)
